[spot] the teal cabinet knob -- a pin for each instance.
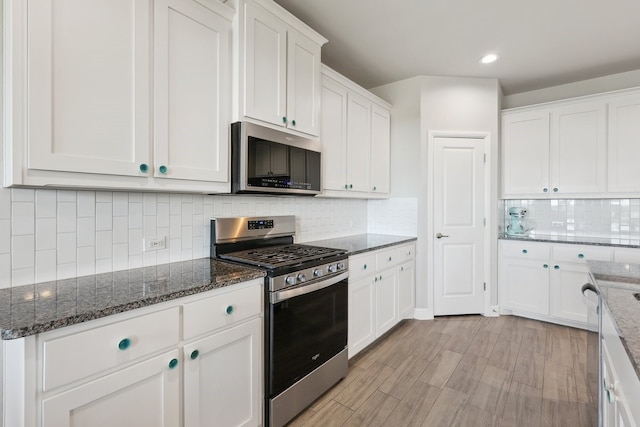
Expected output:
(545, 265)
(293, 122)
(194, 354)
(545, 190)
(580, 255)
(380, 277)
(350, 185)
(555, 190)
(556, 267)
(229, 309)
(375, 279)
(374, 188)
(346, 186)
(284, 120)
(144, 168)
(364, 267)
(402, 268)
(124, 344)
(389, 258)
(163, 169)
(173, 363)
(524, 251)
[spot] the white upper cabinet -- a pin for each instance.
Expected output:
(118, 94)
(280, 71)
(580, 148)
(624, 145)
(355, 135)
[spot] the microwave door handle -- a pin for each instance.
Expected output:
(286, 294)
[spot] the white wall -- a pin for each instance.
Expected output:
(571, 90)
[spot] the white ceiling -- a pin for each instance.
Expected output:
(541, 43)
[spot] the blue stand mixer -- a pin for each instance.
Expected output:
(518, 224)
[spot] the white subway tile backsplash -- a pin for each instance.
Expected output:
(46, 265)
(22, 252)
(106, 266)
(135, 241)
(86, 204)
(149, 203)
(120, 204)
(5, 271)
(67, 271)
(120, 229)
(66, 195)
(104, 197)
(104, 243)
(5, 236)
(135, 215)
(46, 204)
(66, 248)
(86, 261)
(5, 204)
(22, 195)
(135, 197)
(120, 256)
(22, 276)
(46, 237)
(66, 218)
(86, 232)
(23, 221)
(104, 216)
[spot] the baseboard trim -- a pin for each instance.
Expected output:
(423, 314)
(494, 311)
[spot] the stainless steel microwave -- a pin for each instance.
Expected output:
(269, 161)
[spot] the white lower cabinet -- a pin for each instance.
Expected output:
(381, 293)
(194, 361)
(543, 280)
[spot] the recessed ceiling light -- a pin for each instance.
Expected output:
(488, 59)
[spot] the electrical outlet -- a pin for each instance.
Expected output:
(154, 244)
(557, 224)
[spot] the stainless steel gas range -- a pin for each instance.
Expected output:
(305, 322)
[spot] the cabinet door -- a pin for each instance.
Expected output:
(192, 92)
(525, 285)
(88, 101)
(303, 90)
(265, 85)
(333, 134)
(144, 395)
(565, 289)
(525, 153)
(358, 142)
(361, 314)
(624, 149)
(223, 378)
(380, 149)
(578, 148)
(386, 301)
(406, 290)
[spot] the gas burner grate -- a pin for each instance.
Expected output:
(279, 256)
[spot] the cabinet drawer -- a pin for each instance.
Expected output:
(362, 265)
(525, 250)
(221, 310)
(577, 253)
(406, 253)
(80, 355)
(630, 256)
(386, 258)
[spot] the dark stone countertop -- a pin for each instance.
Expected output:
(31, 309)
(577, 240)
(618, 282)
(361, 243)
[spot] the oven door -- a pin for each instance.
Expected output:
(305, 331)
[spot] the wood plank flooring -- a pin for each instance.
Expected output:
(463, 371)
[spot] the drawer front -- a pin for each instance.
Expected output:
(627, 255)
(362, 265)
(525, 250)
(72, 357)
(580, 253)
(221, 310)
(386, 258)
(406, 253)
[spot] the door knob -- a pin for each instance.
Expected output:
(440, 235)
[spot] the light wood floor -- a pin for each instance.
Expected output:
(462, 371)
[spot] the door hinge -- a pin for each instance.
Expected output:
(484, 221)
(485, 285)
(485, 157)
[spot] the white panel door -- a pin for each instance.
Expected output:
(333, 134)
(89, 86)
(265, 82)
(458, 218)
(144, 395)
(303, 76)
(223, 378)
(192, 92)
(578, 147)
(525, 153)
(624, 145)
(380, 146)
(358, 142)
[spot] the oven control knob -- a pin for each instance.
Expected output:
(291, 280)
(317, 272)
(302, 277)
(332, 268)
(341, 266)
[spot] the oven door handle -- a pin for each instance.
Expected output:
(286, 294)
(588, 287)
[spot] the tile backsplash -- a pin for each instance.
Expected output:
(602, 218)
(57, 234)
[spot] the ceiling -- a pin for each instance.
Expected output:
(541, 43)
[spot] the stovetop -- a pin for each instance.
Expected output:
(274, 257)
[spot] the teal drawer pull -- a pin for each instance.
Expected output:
(229, 309)
(545, 265)
(524, 251)
(556, 267)
(194, 354)
(364, 267)
(144, 168)
(124, 344)
(163, 169)
(580, 255)
(173, 363)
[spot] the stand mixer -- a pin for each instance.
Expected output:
(519, 225)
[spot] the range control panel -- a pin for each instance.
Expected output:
(260, 224)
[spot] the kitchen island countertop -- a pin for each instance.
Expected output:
(363, 242)
(576, 240)
(619, 283)
(41, 307)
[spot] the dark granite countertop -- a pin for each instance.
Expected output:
(577, 240)
(363, 242)
(31, 309)
(618, 282)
